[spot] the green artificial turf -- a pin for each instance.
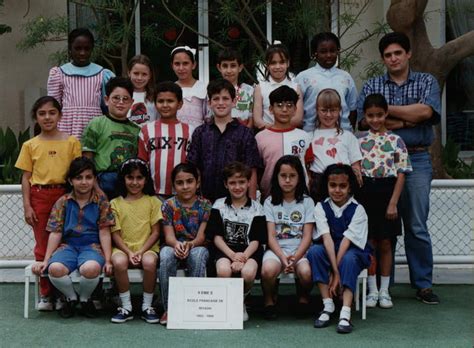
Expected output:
(409, 324)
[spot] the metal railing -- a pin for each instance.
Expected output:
(451, 225)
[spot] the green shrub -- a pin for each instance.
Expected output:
(10, 145)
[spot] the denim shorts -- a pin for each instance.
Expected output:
(74, 257)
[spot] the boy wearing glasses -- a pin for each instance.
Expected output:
(281, 138)
(112, 139)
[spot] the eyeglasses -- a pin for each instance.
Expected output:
(288, 105)
(328, 111)
(120, 98)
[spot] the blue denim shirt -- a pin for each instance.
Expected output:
(418, 88)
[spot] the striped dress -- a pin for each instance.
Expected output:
(163, 146)
(79, 90)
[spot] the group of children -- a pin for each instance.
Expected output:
(186, 177)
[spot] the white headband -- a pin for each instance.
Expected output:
(186, 48)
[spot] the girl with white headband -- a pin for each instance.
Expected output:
(194, 108)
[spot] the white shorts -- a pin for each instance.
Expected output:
(287, 250)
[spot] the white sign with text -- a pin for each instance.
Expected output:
(205, 303)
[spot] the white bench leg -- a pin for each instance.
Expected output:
(36, 291)
(364, 298)
(27, 297)
(357, 295)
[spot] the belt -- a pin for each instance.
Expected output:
(49, 187)
(417, 149)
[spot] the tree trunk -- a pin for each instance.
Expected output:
(407, 16)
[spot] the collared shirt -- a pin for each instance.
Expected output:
(418, 88)
(80, 226)
(315, 79)
(356, 232)
(211, 150)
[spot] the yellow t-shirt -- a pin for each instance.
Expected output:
(48, 160)
(134, 219)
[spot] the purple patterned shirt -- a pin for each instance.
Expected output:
(211, 150)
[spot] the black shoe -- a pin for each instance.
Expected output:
(88, 309)
(344, 329)
(427, 296)
(269, 312)
(68, 309)
(319, 324)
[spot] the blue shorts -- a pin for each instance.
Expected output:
(107, 183)
(74, 257)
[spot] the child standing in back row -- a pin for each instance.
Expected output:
(79, 86)
(45, 161)
(135, 235)
(194, 110)
(325, 49)
(330, 144)
(277, 59)
(140, 72)
(164, 143)
(384, 166)
(229, 64)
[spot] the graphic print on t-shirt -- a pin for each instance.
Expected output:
(289, 226)
(236, 233)
(139, 113)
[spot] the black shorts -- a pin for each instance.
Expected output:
(375, 196)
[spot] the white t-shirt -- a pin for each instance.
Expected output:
(289, 219)
(328, 148)
(142, 111)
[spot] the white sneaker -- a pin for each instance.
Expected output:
(58, 304)
(45, 304)
(385, 301)
(246, 315)
(372, 299)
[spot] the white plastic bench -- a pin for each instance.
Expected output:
(136, 276)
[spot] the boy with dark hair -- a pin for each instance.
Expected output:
(229, 64)
(111, 139)
(221, 141)
(325, 49)
(281, 138)
(164, 143)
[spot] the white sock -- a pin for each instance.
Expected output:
(126, 300)
(345, 314)
(87, 287)
(64, 284)
(328, 307)
(147, 300)
(372, 284)
(384, 283)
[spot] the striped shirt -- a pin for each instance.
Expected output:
(79, 90)
(163, 146)
(418, 88)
